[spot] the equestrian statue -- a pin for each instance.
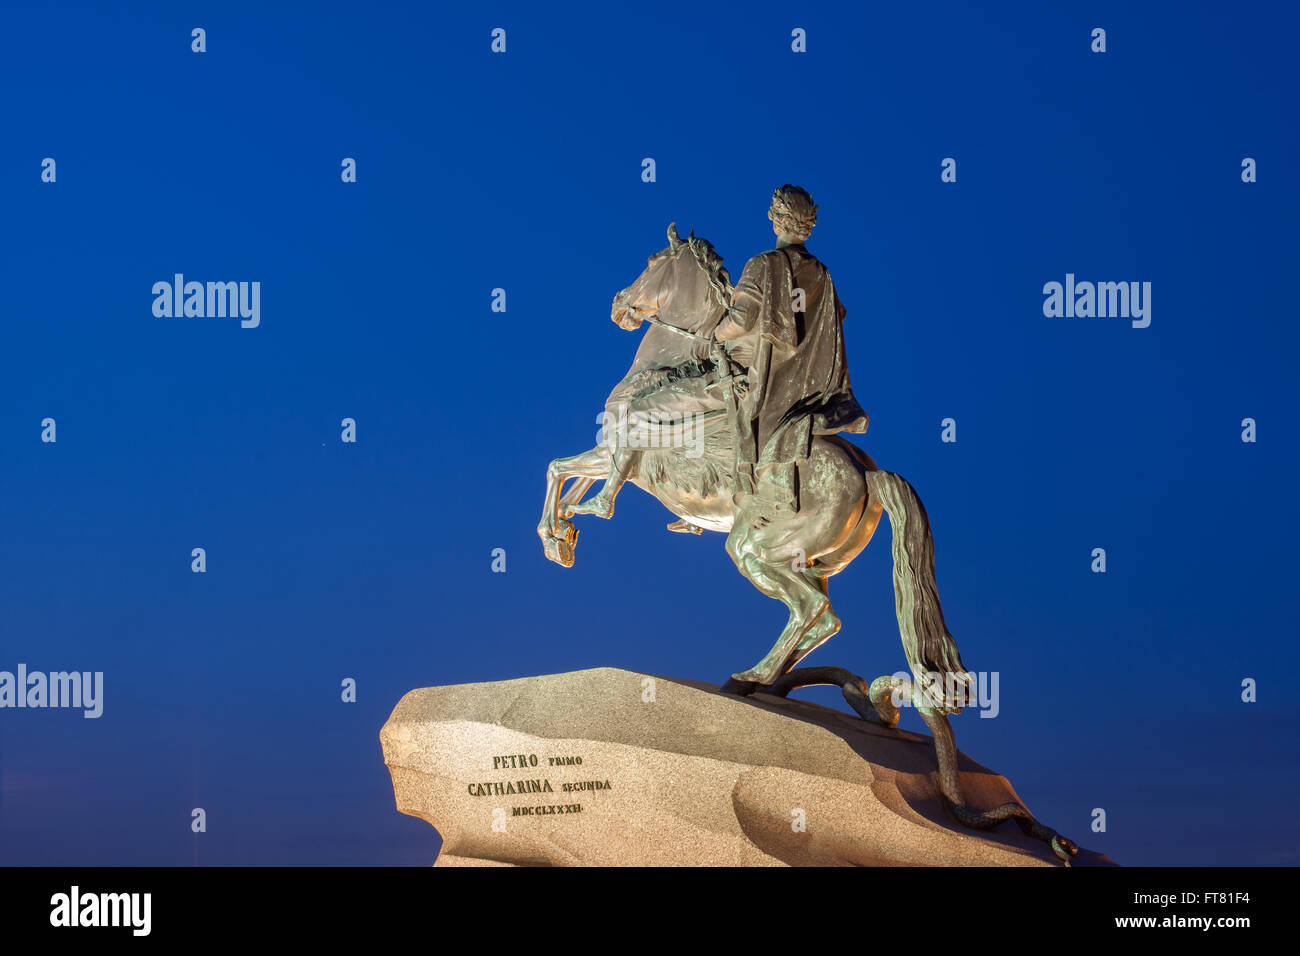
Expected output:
(732, 415)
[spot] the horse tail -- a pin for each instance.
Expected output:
(930, 649)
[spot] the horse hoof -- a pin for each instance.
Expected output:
(559, 548)
(569, 533)
(753, 677)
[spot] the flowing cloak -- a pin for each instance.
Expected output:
(798, 375)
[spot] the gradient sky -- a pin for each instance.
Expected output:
(1119, 691)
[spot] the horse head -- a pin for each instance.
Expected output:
(684, 285)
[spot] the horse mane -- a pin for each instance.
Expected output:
(708, 259)
(711, 262)
(703, 477)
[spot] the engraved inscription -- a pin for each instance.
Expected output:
(530, 785)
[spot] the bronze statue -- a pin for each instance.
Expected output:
(729, 417)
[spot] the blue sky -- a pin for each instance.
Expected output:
(522, 171)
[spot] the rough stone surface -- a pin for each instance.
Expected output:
(696, 778)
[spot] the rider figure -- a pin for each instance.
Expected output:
(785, 327)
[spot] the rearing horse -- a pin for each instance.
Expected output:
(683, 292)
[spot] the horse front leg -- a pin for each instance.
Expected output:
(621, 466)
(559, 536)
(573, 495)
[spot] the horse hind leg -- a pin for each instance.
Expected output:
(807, 602)
(830, 564)
(823, 629)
